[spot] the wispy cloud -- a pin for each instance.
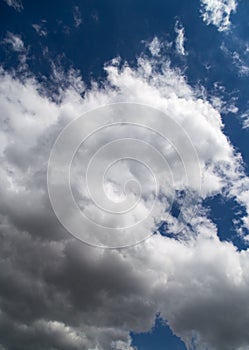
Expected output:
(179, 42)
(15, 41)
(16, 4)
(77, 16)
(245, 119)
(239, 56)
(40, 29)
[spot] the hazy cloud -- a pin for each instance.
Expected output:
(16, 4)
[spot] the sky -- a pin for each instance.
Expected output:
(124, 181)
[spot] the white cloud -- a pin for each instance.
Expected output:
(217, 276)
(218, 12)
(85, 298)
(179, 43)
(245, 119)
(16, 4)
(155, 46)
(15, 41)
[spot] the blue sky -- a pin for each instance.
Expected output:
(189, 59)
(160, 337)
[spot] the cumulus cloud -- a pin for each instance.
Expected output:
(56, 292)
(218, 12)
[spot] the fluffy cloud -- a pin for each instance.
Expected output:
(56, 292)
(217, 12)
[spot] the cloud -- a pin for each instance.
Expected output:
(77, 16)
(245, 119)
(179, 43)
(239, 59)
(40, 29)
(15, 41)
(218, 12)
(16, 4)
(211, 315)
(86, 298)
(56, 292)
(154, 46)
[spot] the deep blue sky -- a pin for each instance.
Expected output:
(113, 28)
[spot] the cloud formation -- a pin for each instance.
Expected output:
(179, 43)
(77, 16)
(15, 41)
(16, 4)
(40, 29)
(218, 12)
(56, 292)
(245, 119)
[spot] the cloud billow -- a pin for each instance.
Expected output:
(58, 293)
